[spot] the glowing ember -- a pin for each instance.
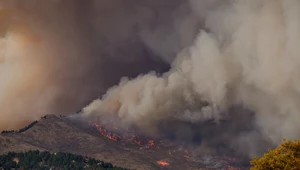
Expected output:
(186, 157)
(150, 144)
(131, 136)
(125, 136)
(162, 163)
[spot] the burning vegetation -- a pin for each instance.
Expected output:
(163, 163)
(126, 136)
(133, 137)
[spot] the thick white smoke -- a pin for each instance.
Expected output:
(56, 56)
(248, 53)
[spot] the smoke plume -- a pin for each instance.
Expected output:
(224, 70)
(245, 54)
(57, 56)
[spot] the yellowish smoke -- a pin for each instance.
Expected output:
(57, 55)
(21, 79)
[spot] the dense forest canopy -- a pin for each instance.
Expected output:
(46, 160)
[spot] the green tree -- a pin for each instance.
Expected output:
(285, 157)
(45, 160)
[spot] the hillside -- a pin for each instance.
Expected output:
(59, 134)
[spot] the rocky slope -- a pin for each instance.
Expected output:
(56, 134)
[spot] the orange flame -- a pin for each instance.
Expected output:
(163, 163)
(150, 144)
(186, 157)
(127, 136)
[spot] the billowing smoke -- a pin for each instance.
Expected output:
(58, 55)
(245, 55)
(230, 67)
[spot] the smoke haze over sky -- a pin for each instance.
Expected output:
(215, 55)
(59, 55)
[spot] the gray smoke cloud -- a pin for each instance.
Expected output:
(58, 55)
(232, 77)
(246, 53)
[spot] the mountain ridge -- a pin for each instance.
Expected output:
(61, 134)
